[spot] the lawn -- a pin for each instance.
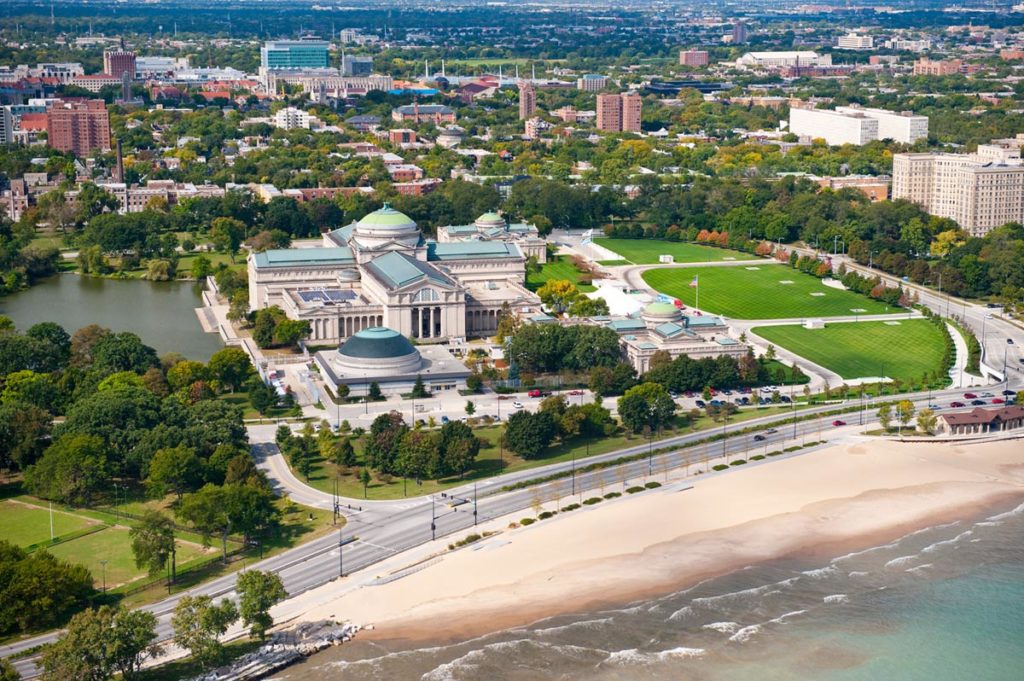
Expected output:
(114, 546)
(493, 459)
(904, 350)
(26, 525)
(561, 267)
(761, 292)
(646, 251)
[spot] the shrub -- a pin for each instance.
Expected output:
(757, 457)
(592, 500)
(635, 489)
(546, 514)
(720, 467)
(775, 453)
(570, 507)
(612, 495)
(527, 521)
(652, 484)
(793, 449)
(737, 462)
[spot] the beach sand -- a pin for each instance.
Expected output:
(826, 502)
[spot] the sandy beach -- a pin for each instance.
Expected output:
(827, 501)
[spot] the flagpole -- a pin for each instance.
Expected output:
(697, 304)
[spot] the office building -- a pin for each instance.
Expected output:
(79, 127)
(283, 55)
(566, 114)
(739, 33)
(781, 60)
(980, 191)
(527, 101)
(291, 118)
(833, 127)
(855, 41)
(899, 126)
(118, 62)
(592, 82)
(926, 67)
(356, 66)
(423, 113)
(908, 45)
(693, 57)
(619, 113)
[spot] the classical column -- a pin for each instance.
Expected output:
(438, 322)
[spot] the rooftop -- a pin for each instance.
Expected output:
(377, 342)
(295, 257)
(466, 250)
(398, 270)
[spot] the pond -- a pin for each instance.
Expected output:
(162, 313)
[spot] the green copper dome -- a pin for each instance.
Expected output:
(387, 219)
(661, 309)
(377, 342)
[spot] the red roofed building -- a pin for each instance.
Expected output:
(982, 420)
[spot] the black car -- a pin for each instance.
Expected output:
(978, 403)
(701, 404)
(760, 438)
(1008, 393)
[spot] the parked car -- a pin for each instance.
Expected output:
(517, 405)
(772, 431)
(716, 403)
(1009, 341)
(444, 420)
(727, 392)
(978, 403)
(837, 422)
(970, 396)
(760, 438)
(785, 398)
(933, 407)
(1008, 393)
(986, 395)
(957, 405)
(536, 392)
(745, 400)
(701, 404)
(575, 392)
(998, 400)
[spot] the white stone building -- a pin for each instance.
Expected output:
(833, 127)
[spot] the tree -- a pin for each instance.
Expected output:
(386, 432)
(227, 235)
(24, 431)
(926, 421)
(261, 396)
(904, 412)
(374, 393)
(123, 351)
(470, 408)
(474, 382)
(345, 454)
(183, 374)
(100, 644)
(72, 470)
(364, 478)
(529, 434)
(8, 672)
(257, 593)
(647, 404)
(174, 469)
(206, 510)
(885, 416)
(198, 623)
(153, 542)
(231, 366)
(558, 294)
(418, 389)
(39, 590)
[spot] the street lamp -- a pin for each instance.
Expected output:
(104, 564)
(341, 559)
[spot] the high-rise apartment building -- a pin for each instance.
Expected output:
(79, 127)
(356, 66)
(899, 126)
(118, 62)
(527, 101)
(926, 67)
(857, 125)
(855, 41)
(693, 57)
(980, 191)
(277, 55)
(592, 82)
(739, 33)
(619, 113)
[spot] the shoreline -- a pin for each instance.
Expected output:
(810, 508)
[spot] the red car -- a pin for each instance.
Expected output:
(534, 393)
(955, 405)
(575, 392)
(998, 400)
(837, 422)
(970, 396)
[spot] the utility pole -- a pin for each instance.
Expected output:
(433, 519)
(474, 505)
(341, 551)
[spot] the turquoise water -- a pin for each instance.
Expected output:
(942, 604)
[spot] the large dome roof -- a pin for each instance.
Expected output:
(661, 309)
(376, 343)
(490, 220)
(386, 220)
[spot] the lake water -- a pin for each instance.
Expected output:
(162, 313)
(941, 604)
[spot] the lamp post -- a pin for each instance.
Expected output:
(474, 505)
(433, 519)
(104, 564)
(341, 551)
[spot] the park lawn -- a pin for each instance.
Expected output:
(185, 261)
(114, 546)
(561, 267)
(744, 293)
(25, 525)
(646, 251)
(493, 460)
(904, 350)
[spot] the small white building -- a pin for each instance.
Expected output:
(833, 127)
(290, 118)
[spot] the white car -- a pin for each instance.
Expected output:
(517, 405)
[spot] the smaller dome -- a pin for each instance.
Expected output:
(490, 220)
(377, 342)
(661, 310)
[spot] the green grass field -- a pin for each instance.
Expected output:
(743, 293)
(646, 252)
(561, 267)
(906, 350)
(26, 525)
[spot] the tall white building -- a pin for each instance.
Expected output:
(980, 191)
(898, 126)
(833, 127)
(855, 41)
(290, 118)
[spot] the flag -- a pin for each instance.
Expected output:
(693, 282)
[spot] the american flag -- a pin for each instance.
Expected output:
(693, 282)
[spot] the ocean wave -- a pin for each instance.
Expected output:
(781, 618)
(946, 542)
(858, 573)
(901, 561)
(821, 572)
(836, 598)
(1008, 514)
(989, 523)
(933, 527)
(745, 634)
(763, 590)
(467, 665)
(723, 627)
(681, 613)
(574, 625)
(919, 568)
(632, 656)
(854, 554)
